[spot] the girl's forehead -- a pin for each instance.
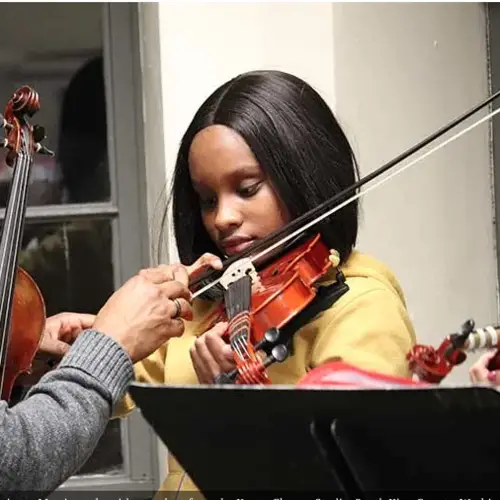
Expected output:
(220, 151)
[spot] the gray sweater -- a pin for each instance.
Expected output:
(48, 436)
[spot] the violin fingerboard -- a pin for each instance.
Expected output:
(237, 297)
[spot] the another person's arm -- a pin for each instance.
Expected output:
(51, 433)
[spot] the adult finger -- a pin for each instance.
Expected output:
(52, 346)
(180, 308)
(174, 328)
(86, 320)
(158, 274)
(175, 290)
(180, 274)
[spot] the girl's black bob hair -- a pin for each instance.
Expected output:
(297, 141)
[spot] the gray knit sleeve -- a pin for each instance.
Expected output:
(48, 436)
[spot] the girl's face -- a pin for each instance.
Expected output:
(238, 203)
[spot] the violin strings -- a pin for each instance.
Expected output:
(355, 197)
(20, 178)
(237, 299)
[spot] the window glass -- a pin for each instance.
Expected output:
(58, 52)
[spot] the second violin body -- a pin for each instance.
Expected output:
(26, 329)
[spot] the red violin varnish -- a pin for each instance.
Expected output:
(280, 291)
(22, 308)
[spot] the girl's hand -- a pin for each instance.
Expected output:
(211, 355)
(168, 272)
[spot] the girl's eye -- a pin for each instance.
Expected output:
(207, 203)
(248, 191)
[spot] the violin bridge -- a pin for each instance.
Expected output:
(238, 270)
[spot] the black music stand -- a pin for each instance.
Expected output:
(325, 442)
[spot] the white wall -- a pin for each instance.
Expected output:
(203, 45)
(402, 71)
(393, 73)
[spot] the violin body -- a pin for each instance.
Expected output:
(281, 290)
(27, 324)
(285, 287)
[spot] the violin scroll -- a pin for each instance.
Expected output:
(22, 308)
(433, 365)
(23, 104)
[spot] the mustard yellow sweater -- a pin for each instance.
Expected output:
(368, 327)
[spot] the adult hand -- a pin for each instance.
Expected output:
(147, 310)
(61, 330)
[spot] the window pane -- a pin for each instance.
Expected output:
(72, 265)
(64, 65)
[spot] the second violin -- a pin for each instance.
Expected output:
(22, 308)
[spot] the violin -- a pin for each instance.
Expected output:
(267, 300)
(433, 365)
(22, 307)
(281, 291)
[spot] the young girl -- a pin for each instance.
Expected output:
(263, 149)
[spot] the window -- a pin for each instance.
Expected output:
(86, 205)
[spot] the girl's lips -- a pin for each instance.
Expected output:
(232, 249)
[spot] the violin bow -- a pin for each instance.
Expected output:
(242, 263)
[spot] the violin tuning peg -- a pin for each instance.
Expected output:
(280, 353)
(4, 123)
(43, 150)
(38, 133)
(468, 326)
(4, 143)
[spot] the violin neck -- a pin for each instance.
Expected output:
(10, 243)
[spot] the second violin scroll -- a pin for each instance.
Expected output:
(433, 365)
